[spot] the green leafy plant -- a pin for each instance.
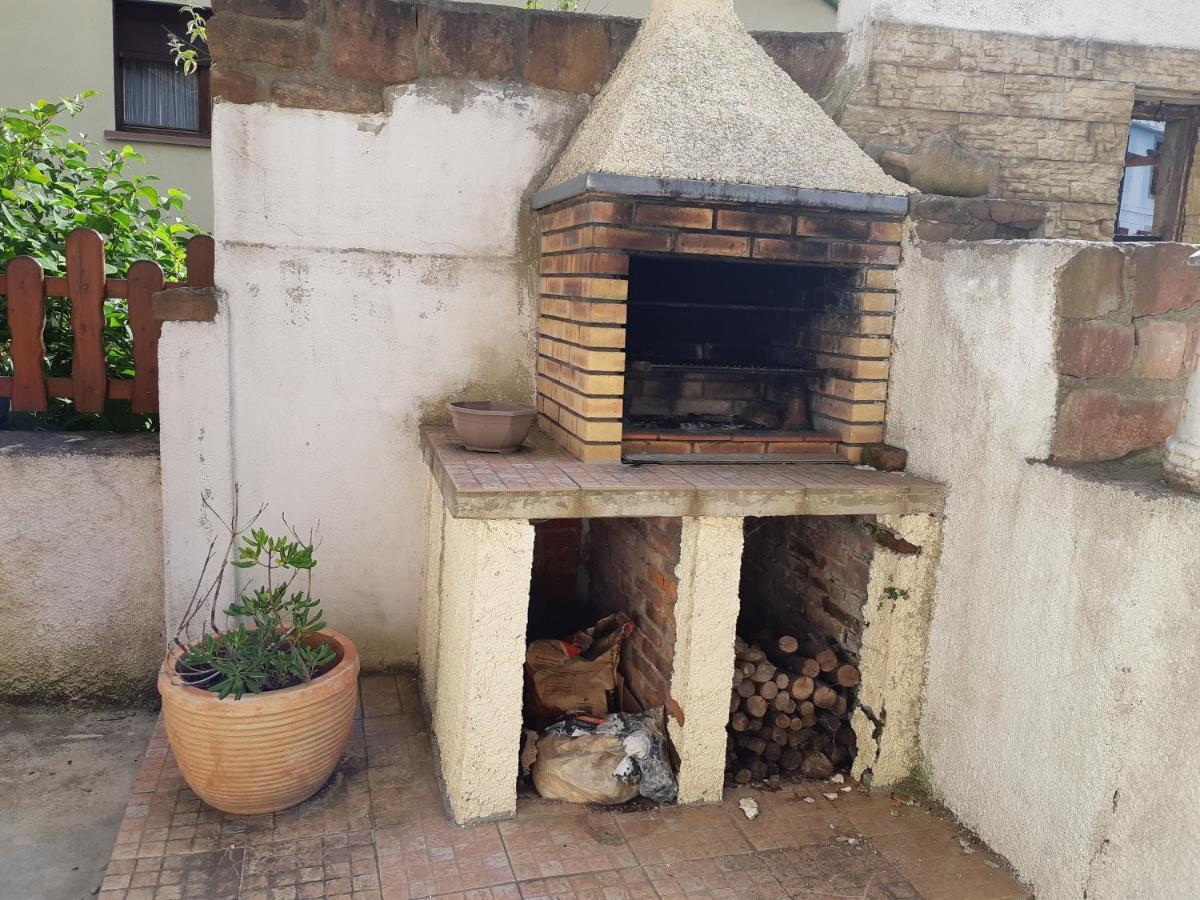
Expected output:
(186, 54)
(274, 643)
(51, 184)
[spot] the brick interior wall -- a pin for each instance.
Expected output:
(585, 266)
(554, 588)
(1128, 329)
(631, 568)
(343, 54)
(806, 575)
(1054, 112)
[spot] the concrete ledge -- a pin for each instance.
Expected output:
(86, 443)
(718, 191)
(543, 481)
(185, 304)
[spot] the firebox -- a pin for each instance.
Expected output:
(674, 327)
(715, 360)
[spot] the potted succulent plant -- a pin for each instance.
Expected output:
(258, 710)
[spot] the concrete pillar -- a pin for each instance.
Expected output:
(1181, 462)
(196, 446)
(429, 611)
(484, 587)
(706, 611)
(895, 645)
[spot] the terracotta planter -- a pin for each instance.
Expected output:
(264, 752)
(493, 426)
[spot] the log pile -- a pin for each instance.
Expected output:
(789, 711)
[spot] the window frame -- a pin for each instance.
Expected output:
(125, 48)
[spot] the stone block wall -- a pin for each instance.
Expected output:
(631, 566)
(1054, 112)
(1129, 323)
(342, 54)
(807, 575)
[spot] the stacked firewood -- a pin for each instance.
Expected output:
(789, 710)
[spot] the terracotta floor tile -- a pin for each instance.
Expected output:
(379, 696)
(785, 820)
(499, 892)
(935, 861)
(432, 857)
(378, 829)
(615, 884)
(543, 846)
(671, 835)
(739, 877)
(839, 868)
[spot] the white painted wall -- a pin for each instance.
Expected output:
(757, 15)
(1168, 23)
(62, 48)
(375, 267)
(81, 613)
(1059, 712)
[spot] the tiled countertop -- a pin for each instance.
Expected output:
(543, 481)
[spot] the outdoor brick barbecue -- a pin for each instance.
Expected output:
(717, 284)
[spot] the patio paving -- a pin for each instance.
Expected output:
(378, 830)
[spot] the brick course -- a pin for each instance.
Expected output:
(807, 576)
(631, 569)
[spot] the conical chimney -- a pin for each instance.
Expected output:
(697, 98)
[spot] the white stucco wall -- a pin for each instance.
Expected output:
(81, 616)
(1059, 712)
(1170, 23)
(375, 267)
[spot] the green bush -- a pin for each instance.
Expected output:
(51, 184)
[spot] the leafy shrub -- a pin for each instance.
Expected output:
(277, 647)
(51, 184)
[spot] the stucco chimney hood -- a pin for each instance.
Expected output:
(698, 109)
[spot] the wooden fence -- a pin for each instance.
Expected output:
(89, 387)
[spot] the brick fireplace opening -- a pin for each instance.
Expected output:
(716, 359)
(680, 327)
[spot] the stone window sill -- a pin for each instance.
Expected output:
(151, 137)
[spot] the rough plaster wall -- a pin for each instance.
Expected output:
(429, 614)
(706, 611)
(484, 607)
(197, 455)
(376, 267)
(894, 650)
(1059, 708)
(1168, 23)
(81, 573)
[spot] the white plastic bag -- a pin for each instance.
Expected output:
(581, 769)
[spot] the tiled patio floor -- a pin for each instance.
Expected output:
(378, 830)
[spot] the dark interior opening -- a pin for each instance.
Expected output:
(718, 347)
(803, 595)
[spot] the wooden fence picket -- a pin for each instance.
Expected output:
(26, 287)
(201, 261)
(144, 281)
(27, 322)
(85, 286)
